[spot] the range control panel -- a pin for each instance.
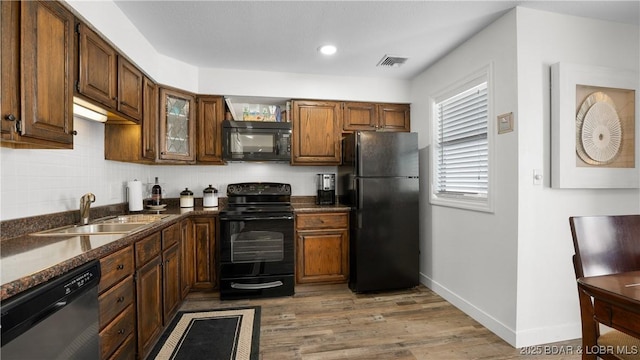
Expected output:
(258, 188)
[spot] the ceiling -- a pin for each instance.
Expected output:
(283, 36)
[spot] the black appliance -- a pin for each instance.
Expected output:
(55, 320)
(256, 241)
(256, 141)
(379, 179)
(326, 189)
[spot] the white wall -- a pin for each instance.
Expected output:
(512, 270)
(469, 257)
(303, 86)
(548, 307)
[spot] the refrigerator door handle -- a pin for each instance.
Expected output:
(360, 201)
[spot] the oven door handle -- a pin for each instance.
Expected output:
(250, 218)
(268, 285)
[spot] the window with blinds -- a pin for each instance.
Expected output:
(461, 145)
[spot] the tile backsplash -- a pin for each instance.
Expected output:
(37, 182)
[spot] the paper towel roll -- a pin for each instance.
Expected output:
(134, 192)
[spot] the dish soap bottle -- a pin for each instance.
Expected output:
(156, 194)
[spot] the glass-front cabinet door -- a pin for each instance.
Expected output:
(177, 125)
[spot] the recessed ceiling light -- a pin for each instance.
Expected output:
(327, 49)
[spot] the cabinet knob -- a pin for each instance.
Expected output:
(10, 117)
(120, 299)
(121, 331)
(120, 266)
(74, 133)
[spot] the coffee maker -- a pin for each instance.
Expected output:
(326, 190)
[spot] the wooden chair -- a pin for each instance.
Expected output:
(604, 245)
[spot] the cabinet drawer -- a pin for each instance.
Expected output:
(116, 332)
(338, 220)
(127, 351)
(147, 249)
(170, 236)
(115, 267)
(114, 300)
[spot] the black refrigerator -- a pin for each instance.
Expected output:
(379, 179)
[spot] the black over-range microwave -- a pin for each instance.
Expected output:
(256, 141)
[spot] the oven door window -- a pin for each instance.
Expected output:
(256, 247)
(252, 246)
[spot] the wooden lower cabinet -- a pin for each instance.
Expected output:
(171, 291)
(143, 285)
(322, 247)
(188, 253)
(116, 301)
(126, 351)
(149, 293)
(118, 330)
(157, 284)
(204, 249)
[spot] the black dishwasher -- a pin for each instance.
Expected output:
(55, 320)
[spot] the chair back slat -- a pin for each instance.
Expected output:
(605, 244)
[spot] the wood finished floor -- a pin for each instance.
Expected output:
(330, 322)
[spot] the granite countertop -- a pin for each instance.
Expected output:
(307, 207)
(30, 260)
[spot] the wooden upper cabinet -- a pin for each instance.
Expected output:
(108, 78)
(316, 132)
(210, 115)
(98, 67)
(150, 120)
(359, 116)
(10, 66)
(394, 117)
(375, 117)
(37, 78)
(130, 89)
(135, 143)
(177, 126)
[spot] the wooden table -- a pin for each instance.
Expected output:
(616, 300)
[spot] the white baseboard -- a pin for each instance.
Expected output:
(516, 339)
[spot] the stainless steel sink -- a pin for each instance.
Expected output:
(94, 229)
(122, 224)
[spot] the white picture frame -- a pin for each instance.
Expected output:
(567, 171)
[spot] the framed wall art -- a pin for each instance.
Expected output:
(594, 130)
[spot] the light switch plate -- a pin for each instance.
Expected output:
(537, 177)
(505, 123)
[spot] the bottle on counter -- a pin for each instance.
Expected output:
(156, 194)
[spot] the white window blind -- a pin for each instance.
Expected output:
(462, 163)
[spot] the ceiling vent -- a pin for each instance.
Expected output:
(392, 61)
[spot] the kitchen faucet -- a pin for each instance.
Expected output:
(85, 204)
